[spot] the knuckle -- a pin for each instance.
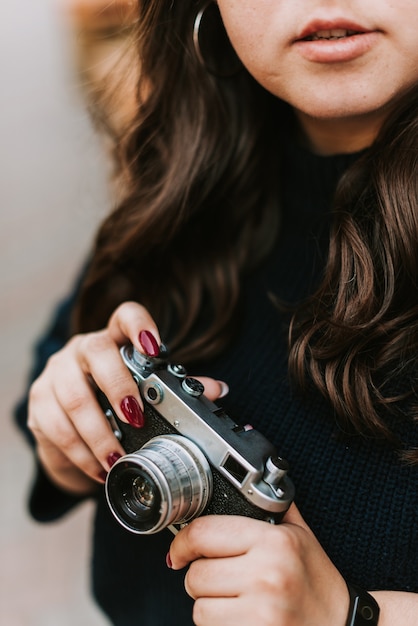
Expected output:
(196, 532)
(129, 306)
(120, 383)
(103, 448)
(74, 400)
(199, 612)
(35, 391)
(72, 345)
(190, 581)
(272, 581)
(96, 343)
(127, 310)
(35, 398)
(267, 614)
(120, 310)
(67, 440)
(34, 427)
(288, 540)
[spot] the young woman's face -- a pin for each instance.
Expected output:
(330, 59)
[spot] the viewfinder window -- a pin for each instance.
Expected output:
(235, 469)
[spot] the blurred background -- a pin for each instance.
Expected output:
(54, 58)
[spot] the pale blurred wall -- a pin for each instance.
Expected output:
(53, 191)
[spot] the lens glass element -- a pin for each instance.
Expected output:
(168, 481)
(139, 499)
(144, 491)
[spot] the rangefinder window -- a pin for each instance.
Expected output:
(235, 469)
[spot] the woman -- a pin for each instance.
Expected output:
(269, 226)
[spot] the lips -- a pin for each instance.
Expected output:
(336, 41)
(329, 34)
(329, 30)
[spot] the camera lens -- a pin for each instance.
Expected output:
(168, 481)
(144, 491)
(139, 499)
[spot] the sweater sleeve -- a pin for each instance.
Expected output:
(46, 501)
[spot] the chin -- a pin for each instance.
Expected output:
(329, 109)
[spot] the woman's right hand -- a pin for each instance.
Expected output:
(75, 443)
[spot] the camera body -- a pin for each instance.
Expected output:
(190, 458)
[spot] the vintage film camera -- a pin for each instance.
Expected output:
(190, 458)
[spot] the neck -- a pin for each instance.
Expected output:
(339, 136)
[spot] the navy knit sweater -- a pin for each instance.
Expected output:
(358, 498)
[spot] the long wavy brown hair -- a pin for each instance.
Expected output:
(201, 208)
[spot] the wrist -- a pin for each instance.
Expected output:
(363, 609)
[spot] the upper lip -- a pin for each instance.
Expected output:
(316, 26)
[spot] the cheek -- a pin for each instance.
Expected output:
(269, 69)
(410, 57)
(245, 25)
(261, 61)
(255, 32)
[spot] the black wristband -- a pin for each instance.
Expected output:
(364, 610)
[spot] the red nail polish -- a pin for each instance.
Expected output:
(103, 476)
(112, 458)
(168, 561)
(149, 343)
(132, 411)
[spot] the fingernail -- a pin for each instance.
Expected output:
(224, 389)
(149, 343)
(168, 561)
(103, 476)
(112, 458)
(132, 411)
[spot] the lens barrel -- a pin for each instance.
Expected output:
(168, 481)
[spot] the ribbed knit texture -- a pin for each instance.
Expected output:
(359, 499)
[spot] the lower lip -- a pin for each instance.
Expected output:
(337, 50)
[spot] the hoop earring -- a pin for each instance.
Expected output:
(207, 26)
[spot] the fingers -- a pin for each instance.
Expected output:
(226, 611)
(131, 321)
(249, 572)
(73, 435)
(243, 610)
(64, 413)
(64, 473)
(214, 577)
(206, 537)
(214, 389)
(224, 536)
(240, 568)
(99, 358)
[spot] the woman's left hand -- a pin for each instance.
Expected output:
(246, 572)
